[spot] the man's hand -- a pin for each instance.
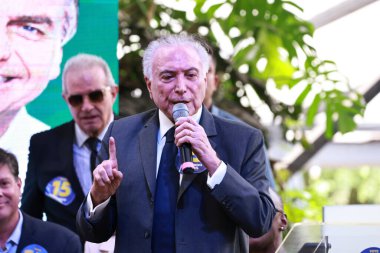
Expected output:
(107, 177)
(189, 131)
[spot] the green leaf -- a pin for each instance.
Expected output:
(211, 11)
(293, 4)
(242, 56)
(277, 68)
(312, 111)
(303, 95)
(329, 121)
(345, 122)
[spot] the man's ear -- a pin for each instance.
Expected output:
(114, 91)
(19, 183)
(284, 221)
(64, 97)
(217, 81)
(149, 86)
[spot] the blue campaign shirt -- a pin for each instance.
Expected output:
(14, 240)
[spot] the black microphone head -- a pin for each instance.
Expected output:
(180, 110)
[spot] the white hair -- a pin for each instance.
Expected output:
(84, 62)
(174, 40)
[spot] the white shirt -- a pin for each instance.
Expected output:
(17, 138)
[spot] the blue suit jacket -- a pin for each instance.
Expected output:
(50, 236)
(268, 169)
(206, 220)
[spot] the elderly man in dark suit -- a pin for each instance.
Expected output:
(61, 160)
(18, 231)
(137, 189)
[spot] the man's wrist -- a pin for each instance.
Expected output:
(96, 200)
(91, 210)
(213, 168)
(218, 175)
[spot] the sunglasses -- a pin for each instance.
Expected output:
(95, 96)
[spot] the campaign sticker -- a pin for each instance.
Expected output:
(371, 250)
(199, 168)
(60, 190)
(34, 248)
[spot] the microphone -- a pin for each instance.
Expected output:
(187, 165)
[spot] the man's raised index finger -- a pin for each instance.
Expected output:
(112, 150)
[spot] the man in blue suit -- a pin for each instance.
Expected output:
(137, 189)
(20, 232)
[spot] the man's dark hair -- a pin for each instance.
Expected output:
(9, 160)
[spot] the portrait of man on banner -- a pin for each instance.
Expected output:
(36, 37)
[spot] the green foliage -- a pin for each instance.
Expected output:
(263, 37)
(304, 205)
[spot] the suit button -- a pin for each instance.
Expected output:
(146, 235)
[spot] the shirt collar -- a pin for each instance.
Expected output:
(16, 234)
(81, 136)
(166, 123)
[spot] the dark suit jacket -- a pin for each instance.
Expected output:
(223, 114)
(52, 237)
(206, 220)
(50, 157)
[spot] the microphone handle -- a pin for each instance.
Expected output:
(187, 165)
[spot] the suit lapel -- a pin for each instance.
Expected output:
(67, 160)
(207, 122)
(148, 151)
